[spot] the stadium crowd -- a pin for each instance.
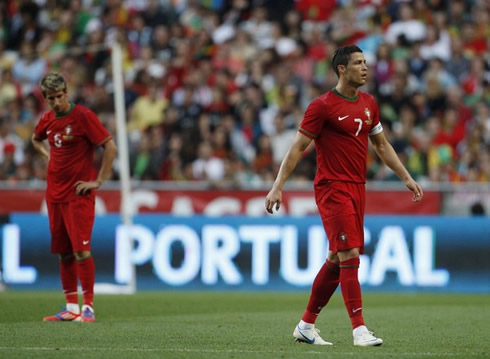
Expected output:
(214, 89)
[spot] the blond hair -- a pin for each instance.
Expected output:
(53, 81)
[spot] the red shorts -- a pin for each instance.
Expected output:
(71, 224)
(341, 207)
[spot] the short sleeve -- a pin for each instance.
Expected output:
(313, 120)
(95, 131)
(376, 126)
(40, 129)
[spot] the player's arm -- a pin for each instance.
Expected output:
(388, 155)
(288, 164)
(39, 146)
(110, 151)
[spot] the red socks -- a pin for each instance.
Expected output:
(86, 273)
(351, 290)
(324, 285)
(69, 280)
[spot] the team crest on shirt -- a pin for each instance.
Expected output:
(368, 115)
(68, 135)
(343, 236)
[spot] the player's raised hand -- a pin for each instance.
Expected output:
(416, 189)
(273, 198)
(84, 187)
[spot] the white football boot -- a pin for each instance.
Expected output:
(308, 334)
(364, 338)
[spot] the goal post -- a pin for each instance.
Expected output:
(124, 176)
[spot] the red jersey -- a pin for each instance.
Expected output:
(73, 138)
(340, 127)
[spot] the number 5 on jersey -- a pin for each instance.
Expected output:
(58, 142)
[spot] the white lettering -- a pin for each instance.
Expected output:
(424, 243)
(220, 245)
(162, 258)
(260, 237)
(134, 246)
(182, 206)
(317, 254)
(392, 254)
(12, 271)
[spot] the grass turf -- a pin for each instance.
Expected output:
(242, 325)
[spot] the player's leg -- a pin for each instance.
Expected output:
(350, 246)
(349, 285)
(324, 285)
(60, 243)
(86, 270)
(351, 292)
(81, 220)
(326, 280)
(345, 230)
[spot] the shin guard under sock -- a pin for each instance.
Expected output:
(86, 274)
(351, 290)
(69, 279)
(324, 285)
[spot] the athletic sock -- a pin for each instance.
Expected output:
(73, 307)
(351, 290)
(69, 281)
(324, 285)
(86, 274)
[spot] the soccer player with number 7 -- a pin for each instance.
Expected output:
(340, 123)
(73, 133)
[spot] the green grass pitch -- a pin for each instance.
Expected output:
(187, 324)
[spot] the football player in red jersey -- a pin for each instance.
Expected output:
(340, 123)
(73, 133)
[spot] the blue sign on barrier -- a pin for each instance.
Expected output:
(402, 253)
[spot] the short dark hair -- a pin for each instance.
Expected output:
(53, 81)
(341, 56)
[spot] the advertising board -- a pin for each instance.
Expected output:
(273, 253)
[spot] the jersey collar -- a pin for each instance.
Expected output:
(67, 112)
(345, 97)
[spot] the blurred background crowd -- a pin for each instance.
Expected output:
(215, 89)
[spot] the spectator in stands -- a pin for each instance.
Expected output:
(214, 60)
(281, 140)
(25, 26)
(147, 110)
(405, 28)
(437, 44)
(29, 68)
(10, 143)
(8, 166)
(206, 166)
(172, 167)
(145, 160)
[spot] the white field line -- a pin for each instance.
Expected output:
(379, 352)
